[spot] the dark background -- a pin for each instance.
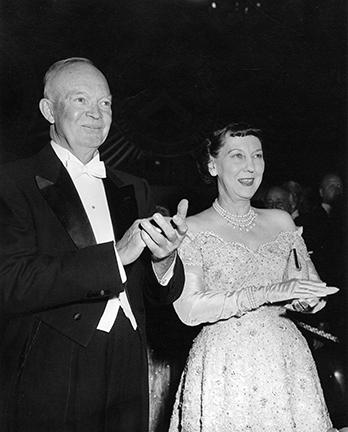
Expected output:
(180, 68)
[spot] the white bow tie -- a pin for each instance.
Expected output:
(94, 168)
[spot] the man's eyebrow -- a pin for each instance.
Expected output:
(75, 92)
(81, 92)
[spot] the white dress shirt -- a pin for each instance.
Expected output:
(92, 194)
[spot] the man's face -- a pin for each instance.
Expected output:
(279, 199)
(81, 108)
(331, 189)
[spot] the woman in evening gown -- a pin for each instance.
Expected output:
(249, 369)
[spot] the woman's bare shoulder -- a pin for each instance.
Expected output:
(279, 219)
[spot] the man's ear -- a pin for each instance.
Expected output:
(212, 167)
(46, 108)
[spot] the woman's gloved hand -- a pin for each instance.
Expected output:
(296, 289)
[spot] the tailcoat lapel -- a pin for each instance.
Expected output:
(122, 203)
(58, 190)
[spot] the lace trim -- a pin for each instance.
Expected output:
(281, 234)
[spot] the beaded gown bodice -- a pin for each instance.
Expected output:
(251, 372)
(231, 265)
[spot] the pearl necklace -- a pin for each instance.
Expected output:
(244, 222)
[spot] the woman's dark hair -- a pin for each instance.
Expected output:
(213, 144)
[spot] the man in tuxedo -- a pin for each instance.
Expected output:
(324, 234)
(78, 252)
(279, 198)
(282, 198)
(323, 230)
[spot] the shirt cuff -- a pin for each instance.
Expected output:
(164, 280)
(120, 265)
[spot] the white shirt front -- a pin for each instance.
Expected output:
(326, 207)
(92, 194)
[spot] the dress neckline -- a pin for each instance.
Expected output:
(244, 246)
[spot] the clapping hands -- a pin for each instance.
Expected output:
(162, 235)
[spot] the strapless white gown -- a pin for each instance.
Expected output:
(255, 372)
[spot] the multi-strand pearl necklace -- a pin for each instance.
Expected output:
(244, 222)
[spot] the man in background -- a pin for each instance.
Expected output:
(322, 229)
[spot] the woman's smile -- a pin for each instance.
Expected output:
(247, 181)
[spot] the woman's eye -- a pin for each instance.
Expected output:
(237, 155)
(259, 156)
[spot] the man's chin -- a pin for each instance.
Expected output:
(93, 139)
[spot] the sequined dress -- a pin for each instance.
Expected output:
(252, 372)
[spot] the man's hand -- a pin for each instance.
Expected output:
(131, 244)
(165, 235)
(307, 305)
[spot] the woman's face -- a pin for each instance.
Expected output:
(239, 166)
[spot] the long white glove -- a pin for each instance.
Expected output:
(288, 290)
(197, 305)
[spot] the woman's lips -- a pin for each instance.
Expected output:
(246, 181)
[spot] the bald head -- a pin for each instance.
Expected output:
(331, 188)
(60, 69)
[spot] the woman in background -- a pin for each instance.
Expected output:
(249, 369)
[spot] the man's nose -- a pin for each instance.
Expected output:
(94, 111)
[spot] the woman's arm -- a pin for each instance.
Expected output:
(198, 305)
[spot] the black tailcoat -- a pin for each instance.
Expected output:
(55, 282)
